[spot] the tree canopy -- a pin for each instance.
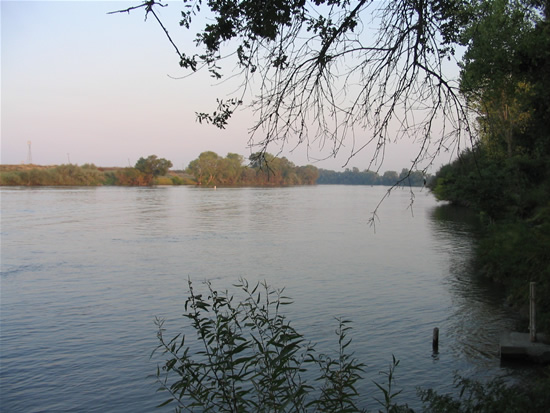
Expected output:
(356, 177)
(210, 169)
(504, 73)
(505, 177)
(153, 166)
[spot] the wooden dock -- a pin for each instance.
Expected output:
(526, 346)
(515, 345)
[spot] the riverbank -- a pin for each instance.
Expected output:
(85, 175)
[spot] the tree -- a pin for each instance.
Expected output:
(506, 177)
(231, 169)
(308, 174)
(324, 74)
(209, 169)
(152, 166)
(492, 78)
(390, 178)
(271, 170)
(205, 168)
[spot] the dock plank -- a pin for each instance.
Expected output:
(514, 345)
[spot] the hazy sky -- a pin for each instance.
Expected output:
(87, 87)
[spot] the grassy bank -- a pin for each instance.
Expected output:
(85, 175)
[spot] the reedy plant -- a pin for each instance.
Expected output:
(388, 391)
(248, 358)
(339, 376)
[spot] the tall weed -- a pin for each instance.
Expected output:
(245, 356)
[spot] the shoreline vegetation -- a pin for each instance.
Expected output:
(249, 355)
(208, 170)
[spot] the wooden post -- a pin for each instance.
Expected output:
(532, 318)
(435, 340)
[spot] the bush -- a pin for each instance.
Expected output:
(109, 178)
(516, 253)
(131, 177)
(248, 358)
(492, 397)
(176, 180)
(62, 175)
(10, 179)
(163, 180)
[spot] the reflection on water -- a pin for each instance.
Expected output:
(86, 270)
(478, 315)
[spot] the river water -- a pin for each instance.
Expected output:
(85, 271)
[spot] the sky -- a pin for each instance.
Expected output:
(81, 86)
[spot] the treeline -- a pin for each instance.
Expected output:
(262, 169)
(506, 176)
(208, 170)
(355, 177)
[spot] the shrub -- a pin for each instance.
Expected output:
(62, 175)
(491, 397)
(516, 253)
(176, 180)
(246, 357)
(162, 180)
(131, 177)
(109, 178)
(10, 179)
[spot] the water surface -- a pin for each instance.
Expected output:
(86, 270)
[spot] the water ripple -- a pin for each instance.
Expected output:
(85, 271)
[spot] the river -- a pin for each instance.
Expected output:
(85, 271)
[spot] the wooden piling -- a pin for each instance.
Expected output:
(435, 340)
(532, 315)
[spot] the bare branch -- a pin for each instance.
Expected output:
(319, 76)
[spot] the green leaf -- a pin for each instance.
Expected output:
(165, 403)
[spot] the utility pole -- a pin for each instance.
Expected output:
(29, 153)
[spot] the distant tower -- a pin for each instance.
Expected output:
(29, 153)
